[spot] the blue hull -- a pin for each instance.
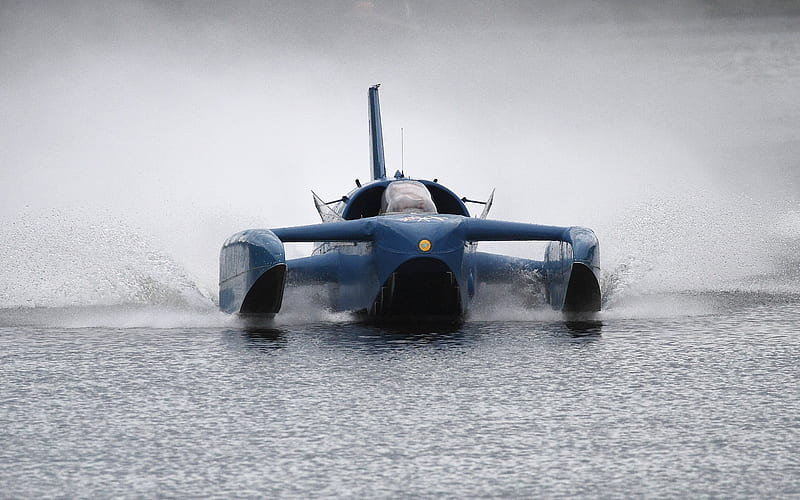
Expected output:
(409, 266)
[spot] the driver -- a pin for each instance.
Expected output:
(407, 197)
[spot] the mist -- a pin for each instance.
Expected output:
(136, 136)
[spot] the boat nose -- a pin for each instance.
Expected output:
(420, 267)
(419, 235)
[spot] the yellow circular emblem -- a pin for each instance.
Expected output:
(424, 245)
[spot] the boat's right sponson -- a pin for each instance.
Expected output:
(571, 269)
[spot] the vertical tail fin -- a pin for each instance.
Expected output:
(377, 162)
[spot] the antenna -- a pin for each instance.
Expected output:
(402, 154)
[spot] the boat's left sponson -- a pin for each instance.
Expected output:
(252, 271)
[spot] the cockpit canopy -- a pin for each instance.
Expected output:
(366, 201)
(407, 197)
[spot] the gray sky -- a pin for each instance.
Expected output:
(194, 120)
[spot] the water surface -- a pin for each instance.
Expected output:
(674, 406)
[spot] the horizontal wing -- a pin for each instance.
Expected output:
(350, 230)
(495, 230)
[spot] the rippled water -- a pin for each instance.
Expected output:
(688, 405)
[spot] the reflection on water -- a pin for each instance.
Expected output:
(382, 336)
(416, 330)
(265, 338)
(261, 331)
(584, 328)
(403, 335)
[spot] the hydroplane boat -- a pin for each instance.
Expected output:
(403, 248)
